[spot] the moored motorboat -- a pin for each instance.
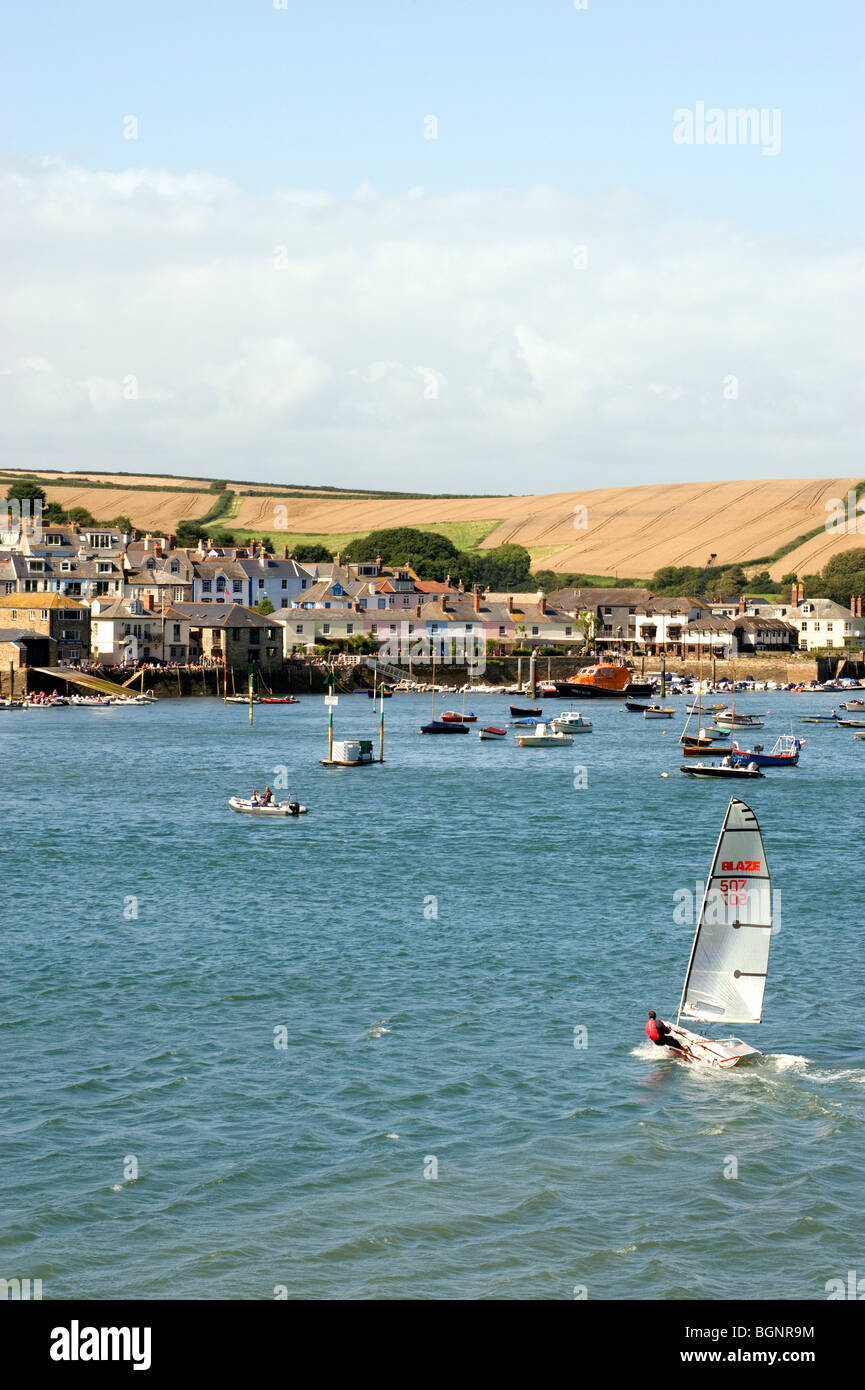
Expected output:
(636, 706)
(728, 719)
(440, 726)
(721, 770)
(544, 736)
(604, 680)
(242, 700)
(783, 753)
(452, 717)
(658, 712)
(276, 700)
(831, 718)
(571, 722)
(851, 723)
(518, 712)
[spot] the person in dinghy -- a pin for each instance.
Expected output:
(660, 1032)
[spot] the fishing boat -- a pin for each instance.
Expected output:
(571, 722)
(276, 700)
(726, 977)
(544, 736)
(491, 732)
(604, 681)
(658, 712)
(276, 808)
(721, 770)
(819, 718)
(783, 753)
(518, 712)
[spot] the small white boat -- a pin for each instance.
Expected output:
(544, 736)
(571, 722)
(658, 712)
(727, 720)
(241, 700)
(491, 732)
(276, 808)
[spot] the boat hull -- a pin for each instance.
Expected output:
(721, 773)
(720, 1053)
(437, 727)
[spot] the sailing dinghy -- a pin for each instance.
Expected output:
(726, 976)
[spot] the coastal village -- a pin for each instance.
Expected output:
(95, 596)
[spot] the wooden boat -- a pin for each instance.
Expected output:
(544, 736)
(635, 706)
(517, 711)
(276, 808)
(604, 680)
(276, 700)
(728, 719)
(707, 750)
(492, 732)
(721, 770)
(658, 712)
(726, 977)
(784, 753)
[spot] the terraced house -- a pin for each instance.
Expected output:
(229, 633)
(64, 619)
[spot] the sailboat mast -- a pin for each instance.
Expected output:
(700, 918)
(433, 687)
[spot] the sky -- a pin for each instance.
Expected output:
(494, 247)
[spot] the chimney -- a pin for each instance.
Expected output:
(417, 610)
(794, 592)
(859, 609)
(853, 605)
(542, 601)
(510, 603)
(742, 603)
(336, 558)
(262, 560)
(378, 561)
(461, 586)
(476, 596)
(148, 543)
(285, 552)
(445, 603)
(448, 580)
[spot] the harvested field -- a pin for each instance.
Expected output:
(630, 531)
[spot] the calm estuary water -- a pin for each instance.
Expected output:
(424, 943)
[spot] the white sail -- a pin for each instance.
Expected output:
(726, 976)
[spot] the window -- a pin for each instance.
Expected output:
(104, 568)
(43, 613)
(237, 586)
(325, 627)
(349, 627)
(304, 583)
(235, 634)
(205, 587)
(298, 627)
(220, 585)
(174, 567)
(66, 565)
(36, 566)
(260, 584)
(382, 603)
(283, 603)
(567, 632)
(285, 583)
(534, 632)
(177, 632)
(501, 631)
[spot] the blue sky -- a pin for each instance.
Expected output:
(332, 96)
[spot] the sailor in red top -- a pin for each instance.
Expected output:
(660, 1033)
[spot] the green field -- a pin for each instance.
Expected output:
(466, 535)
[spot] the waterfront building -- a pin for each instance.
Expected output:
(230, 633)
(65, 620)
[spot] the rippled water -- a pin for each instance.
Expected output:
(427, 940)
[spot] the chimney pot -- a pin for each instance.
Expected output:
(742, 603)
(476, 595)
(510, 603)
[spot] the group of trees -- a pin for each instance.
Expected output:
(433, 556)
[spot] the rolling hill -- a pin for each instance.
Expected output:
(626, 530)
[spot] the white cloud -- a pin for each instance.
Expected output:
(294, 337)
